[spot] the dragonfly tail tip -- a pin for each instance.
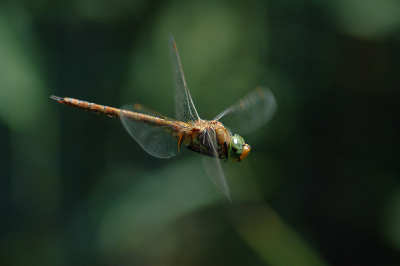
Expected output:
(56, 98)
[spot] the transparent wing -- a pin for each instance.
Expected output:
(213, 164)
(251, 112)
(184, 107)
(154, 140)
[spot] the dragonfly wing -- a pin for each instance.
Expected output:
(154, 140)
(184, 106)
(251, 112)
(213, 164)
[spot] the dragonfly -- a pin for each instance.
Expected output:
(163, 137)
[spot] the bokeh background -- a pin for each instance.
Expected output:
(320, 187)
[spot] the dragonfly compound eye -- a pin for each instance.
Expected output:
(238, 149)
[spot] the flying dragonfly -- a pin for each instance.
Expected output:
(163, 137)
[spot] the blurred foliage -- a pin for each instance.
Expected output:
(321, 185)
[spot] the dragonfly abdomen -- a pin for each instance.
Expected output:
(145, 119)
(171, 127)
(90, 107)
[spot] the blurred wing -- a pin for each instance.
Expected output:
(154, 140)
(184, 107)
(213, 164)
(251, 112)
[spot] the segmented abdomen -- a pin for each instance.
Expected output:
(168, 125)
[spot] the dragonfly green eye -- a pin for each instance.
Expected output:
(238, 149)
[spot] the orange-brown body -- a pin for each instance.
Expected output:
(189, 133)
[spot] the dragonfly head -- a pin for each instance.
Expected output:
(238, 148)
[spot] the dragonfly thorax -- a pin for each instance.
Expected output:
(227, 144)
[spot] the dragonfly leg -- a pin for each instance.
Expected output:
(226, 154)
(180, 140)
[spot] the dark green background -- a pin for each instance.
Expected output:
(321, 185)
